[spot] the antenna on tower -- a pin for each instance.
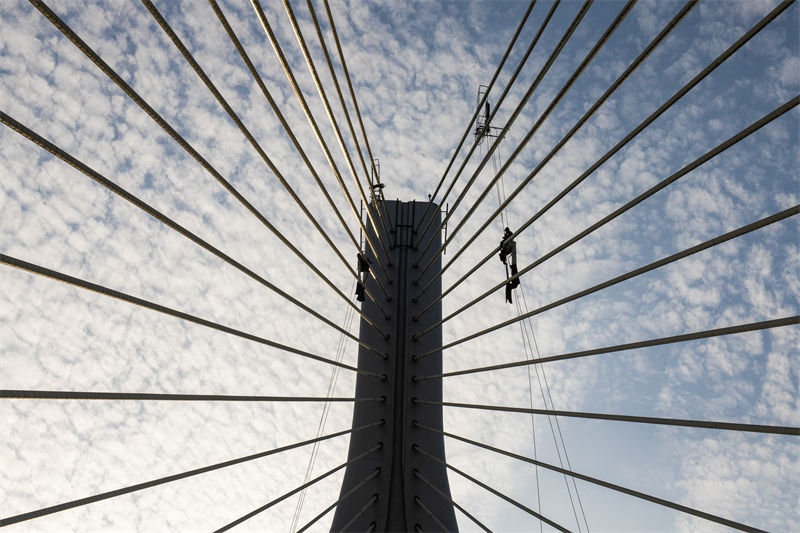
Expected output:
(483, 128)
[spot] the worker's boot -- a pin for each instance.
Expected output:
(360, 291)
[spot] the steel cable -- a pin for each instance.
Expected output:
(514, 114)
(705, 424)
(641, 198)
(477, 111)
(46, 272)
(544, 115)
(315, 127)
(698, 335)
(383, 215)
(292, 492)
(144, 396)
(237, 120)
(153, 212)
(152, 113)
(148, 484)
(588, 114)
(352, 92)
(337, 131)
(633, 273)
(276, 109)
(599, 482)
(652, 117)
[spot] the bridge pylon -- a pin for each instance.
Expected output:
(399, 497)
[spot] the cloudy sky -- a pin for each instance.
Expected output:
(416, 68)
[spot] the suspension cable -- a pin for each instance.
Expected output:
(324, 415)
(317, 133)
(653, 116)
(375, 199)
(698, 335)
(447, 498)
(545, 114)
(46, 272)
(490, 489)
(430, 513)
(329, 110)
(633, 273)
(514, 114)
(155, 482)
(235, 118)
(541, 374)
(152, 113)
(728, 426)
(642, 197)
(477, 111)
(360, 512)
(352, 93)
(274, 106)
(599, 482)
(526, 345)
(79, 395)
(340, 500)
(292, 492)
(150, 210)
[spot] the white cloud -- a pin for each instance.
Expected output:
(415, 67)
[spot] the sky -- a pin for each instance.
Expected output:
(416, 68)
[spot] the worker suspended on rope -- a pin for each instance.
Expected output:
(363, 269)
(508, 254)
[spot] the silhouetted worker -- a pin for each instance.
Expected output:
(508, 254)
(363, 269)
(482, 130)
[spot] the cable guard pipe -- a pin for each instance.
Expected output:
(494, 491)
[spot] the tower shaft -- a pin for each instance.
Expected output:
(396, 486)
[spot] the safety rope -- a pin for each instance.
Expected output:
(348, 320)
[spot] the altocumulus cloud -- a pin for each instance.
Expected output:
(416, 67)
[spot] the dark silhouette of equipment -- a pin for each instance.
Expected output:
(508, 255)
(363, 271)
(483, 127)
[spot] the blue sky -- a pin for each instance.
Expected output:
(416, 68)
